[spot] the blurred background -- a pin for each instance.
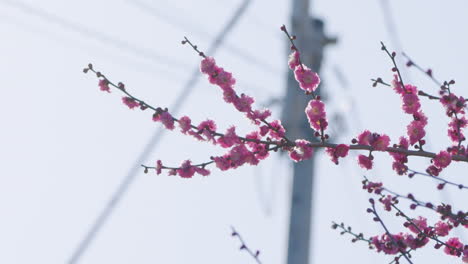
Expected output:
(66, 146)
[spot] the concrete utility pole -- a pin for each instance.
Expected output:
(310, 41)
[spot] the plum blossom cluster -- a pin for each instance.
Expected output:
(419, 232)
(270, 135)
(377, 141)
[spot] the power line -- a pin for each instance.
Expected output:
(389, 22)
(47, 35)
(240, 53)
(155, 139)
(90, 33)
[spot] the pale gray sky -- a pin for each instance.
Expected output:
(66, 145)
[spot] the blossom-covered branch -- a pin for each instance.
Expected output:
(270, 136)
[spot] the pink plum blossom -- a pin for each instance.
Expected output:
(130, 102)
(244, 103)
(420, 223)
(389, 245)
(453, 242)
(104, 85)
(340, 151)
(365, 162)
(442, 160)
(277, 130)
(293, 61)
(308, 80)
(158, 167)
(208, 65)
(411, 103)
(207, 128)
(229, 139)
(442, 229)
(302, 151)
(185, 124)
(165, 118)
(415, 131)
(186, 170)
(316, 115)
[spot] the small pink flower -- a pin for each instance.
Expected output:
(458, 123)
(207, 128)
(375, 140)
(453, 104)
(342, 150)
(397, 85)
(315, 110)
(308, 80)
(442, 229)
(186, 170)
(223, 78)
(415, 131)
(365, 162)
(419, 116)
(167, 120)
(208, 65)
(411, 89)
(263, 130)
(244, 103)
(364, 138)
(389, 245)
(387, 201)
(420, 223)
(229, 139)
(399, 167)
(223, 163)
(454, 243)
(185, 124)
(258, 115)
(229, 95)
(411, 103)
(316, 115)
(104, 85)
(379, 142)
(400, 157)
(130, 102)
(442, 160)
(373, 187)
(239, 155)
(260, 149)
(302, 151)
(415, 242)
(277, 131)
(454, 135)
(293, 59)
(456, 127)
(159, 167)
(403, 143)
(339, 151)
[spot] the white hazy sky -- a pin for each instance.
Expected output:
(65, 146)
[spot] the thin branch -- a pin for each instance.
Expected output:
(459, 185)
(245, 247)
